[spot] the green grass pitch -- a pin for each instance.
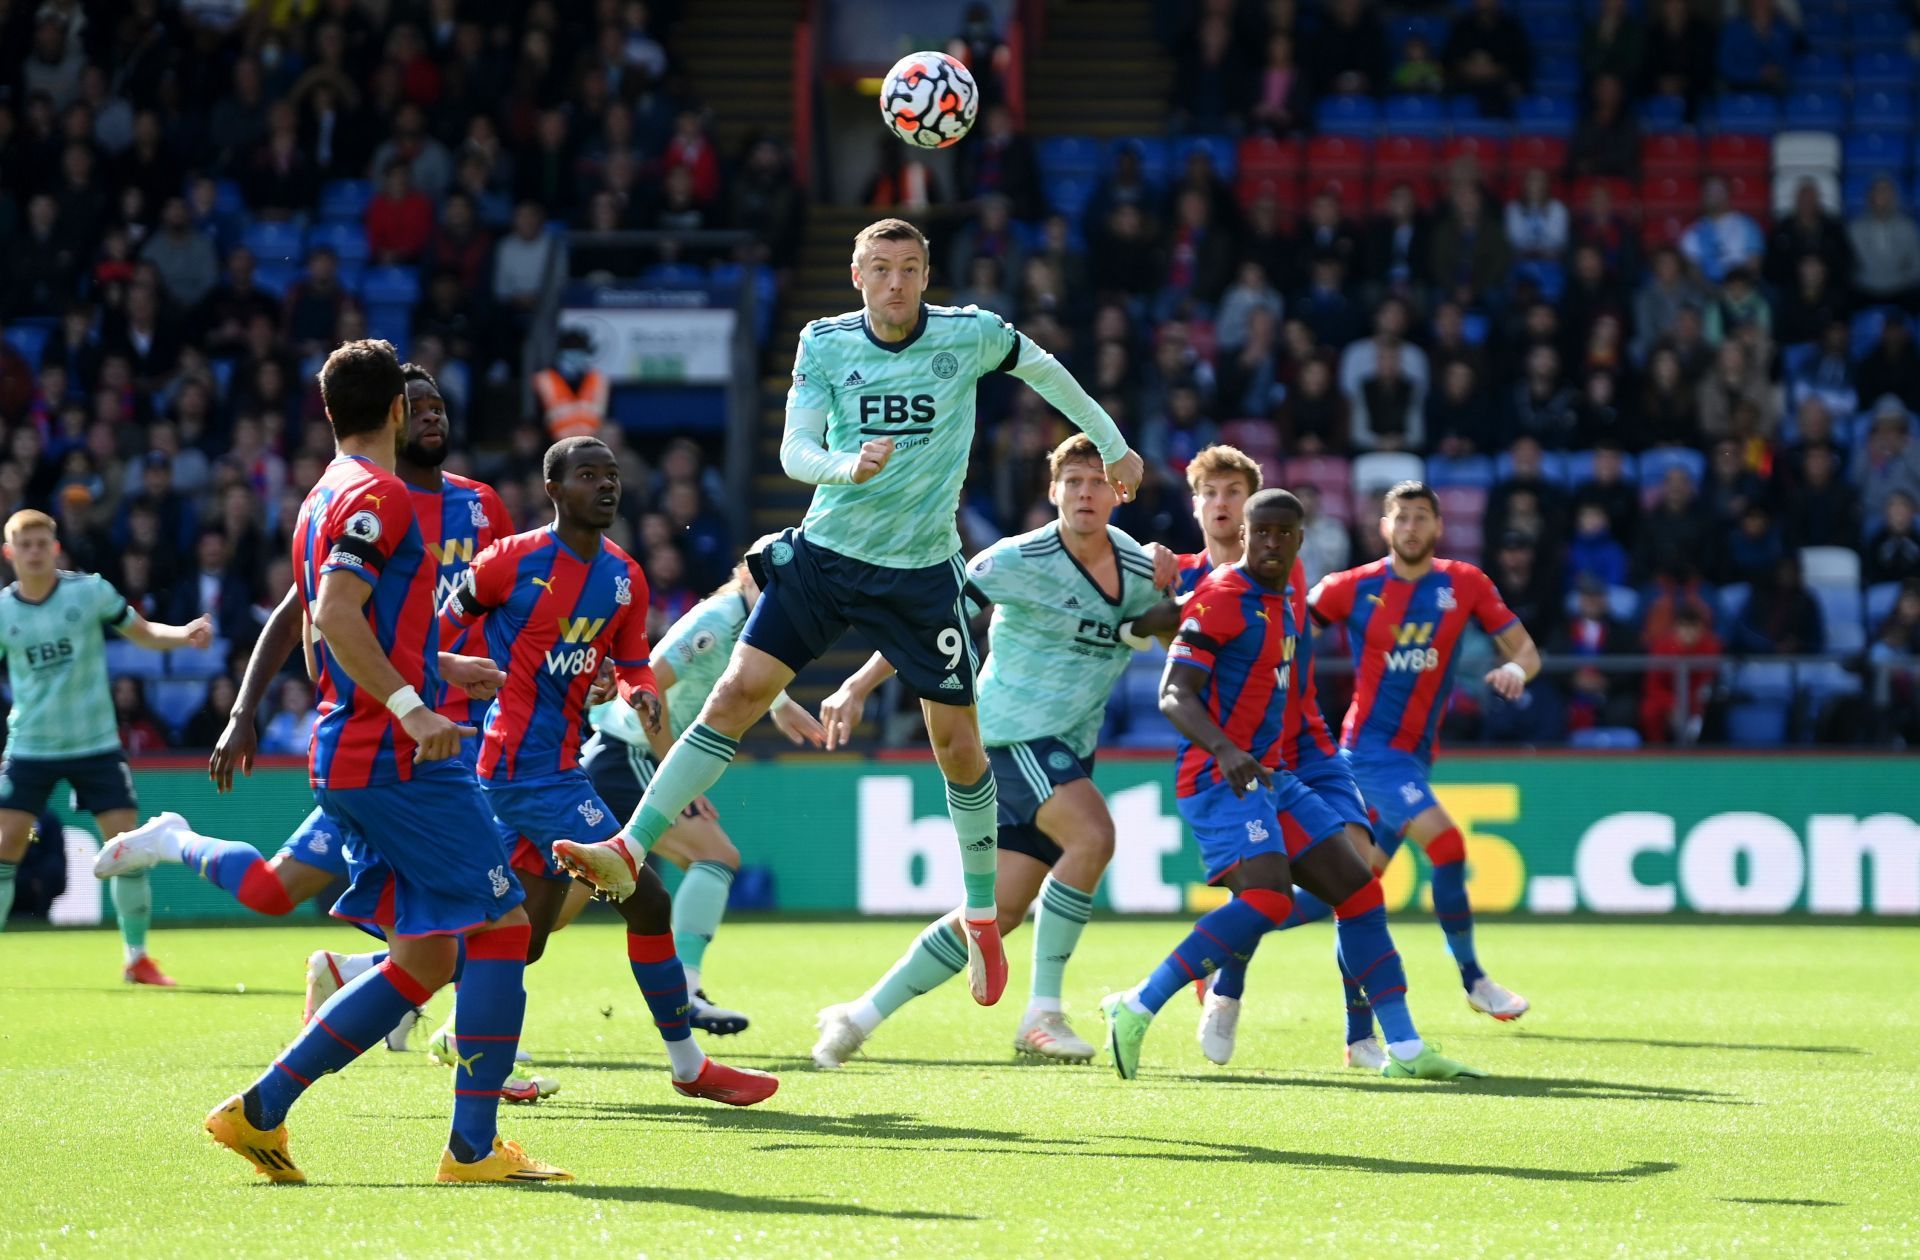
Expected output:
(1677, 1089)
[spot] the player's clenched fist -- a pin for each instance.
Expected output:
(1125, 474)
(874, 456)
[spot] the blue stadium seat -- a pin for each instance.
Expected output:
(390, 286)
(1866, 330)
(1820, 71)
(1468, 470)
(1068, 195)
(279, 242)
(1152, 152)
(1815, 110)
(1757, 725)
(1881, 69)
(1842, 609)
(1557, 74)
(227, 198)
(1882, 109)
(1881, 597)
(277, 276)
(1750, 113)
(206, 662)
(1654, 464)
(1543, 116)
(1347, 116)
(1221, 151)
(1869, 152)
(1070, 155)
(1605, 737)
(1623, 603)
(1545, 275)
(348, 241)
(130, 660)
(177, 700)
(1414, 116)
(346, 200)
(29, 338)
(1663, 113)
(1878, 28)
(1826, 680)
(1580, 467)
(1728, 602)
(391, 321)
(1555, 27)
(1553, 466)
(1763, 680)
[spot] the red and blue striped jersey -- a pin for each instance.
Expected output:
(358, 519)
(1405, 637)
(1242, 635)
(457, 522)
(551, 617)
(1305, 735)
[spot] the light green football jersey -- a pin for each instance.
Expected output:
(919, 392)
(56, 658)
(1054, 653)
(698, 647)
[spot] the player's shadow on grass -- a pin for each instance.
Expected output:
(1209, 1152)
(888, 1125)
(790, 1062)
(141, 990)
(1785, 1202)
(722, 1201)
(1500, 1086)
(1662, 1044)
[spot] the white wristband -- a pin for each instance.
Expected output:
(404, 701)
(1138, 642)
(1518, 672)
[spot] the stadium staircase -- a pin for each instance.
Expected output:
(740, 52)
(1098, 71)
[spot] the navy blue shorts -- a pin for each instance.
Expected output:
(1396, 789)
(533, 813)
(424, 856)
(319, 840)
(620, 771)
(1331, 779)
(1025, 776)
(100, 782)
(916, 618)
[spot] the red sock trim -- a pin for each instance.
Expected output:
(260, 890)
(337, 1037)
(649, 949)
(290, 1072)
(1271, 902)
(409, 988)
(1447, 847)
(1370, 897)
(506, 944)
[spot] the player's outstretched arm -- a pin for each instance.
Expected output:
(1156, 625)
(1180, 690)
(162, 637)
(1522, 665)
(239, 741)
(339, 614)
(1054, 383)
(840, 712)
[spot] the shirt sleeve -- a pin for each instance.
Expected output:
(109, 605)
(631, 654)
(993, 577)
(487, 585)
(374, 525)
(803, 446)
(1332, 599)
(499, 522)
(1001, 343)
(1212, 620)
(1489, 609)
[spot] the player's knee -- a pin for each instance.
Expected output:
(957, 747)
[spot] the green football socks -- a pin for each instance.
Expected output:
(975, 811)
(937, 957)
(698, 904)
(133, 904)
(1062, 916)
(7, 871)
(694, 763)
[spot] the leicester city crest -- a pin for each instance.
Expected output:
(780, 552)
(945, 365)
(1060, 759)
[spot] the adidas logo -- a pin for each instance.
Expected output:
(1073, 601)
(981, 845)
(951, 683)
(853, 378)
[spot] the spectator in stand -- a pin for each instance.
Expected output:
(1781, 615)
(1596, 697)
(1680, 54)
(1736, 377)
(1611, 492)
(1489, 57)
(999, 161)
(1824, 511)
(1199, 256)
(691, 150)
(232, 305)
(1213, 82)
(1281, 104)
(1537, 224)
(1325, 545)
(986, 288)
(1391, 324)
(399, 218)
(214, 590)
(1460, 420)
(429, 166)
(204, 728)
(1394, 254)
(1732, 485)
(1606, 142)
(42, 266)
(1892, 554)
(1526, 478)
(1471, 255)
(520, 266)
(1740, 305)
(1656, 309)
(1662, 708)
(1327, 234)
(1809, 229)
(459, 244)
(1892, 367)
(1350, 51)
(1896, 641)
(1595, 554)
(767, 204)
(279, 180)
(184, 258)
(1526, 582)
(1388, 410)
(1678, 537)
(1601, 223)
(1722, 238)
(1886, 248)
(1756, 49)
(1251, 291)
(1812, 304)
(1888, 462)
(140, 731)
(1249, 375)
(1544, 406)
(1417, 73)
(1754, 546)
(1125, 185)
(290, 729)
(1124, 258)
(1613, 46)
(1324, 306)
(1314, 419)
(315, 303)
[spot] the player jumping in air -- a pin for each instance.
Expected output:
(1063, 596)
(385, 767)
(622, 757)
(881, 418)
(53, 634)
(1404, 616)
(555, 601)
(1260, 829)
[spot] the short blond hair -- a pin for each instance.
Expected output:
(1221, 460)
(30, 518)
(891, 230)
(1078, 449)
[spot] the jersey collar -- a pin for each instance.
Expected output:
(895, 347)
(1120, 571)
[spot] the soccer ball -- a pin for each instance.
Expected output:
(929, 100)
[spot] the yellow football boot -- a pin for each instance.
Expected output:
(266, 1150)
(507, 1163)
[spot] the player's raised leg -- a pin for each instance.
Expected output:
(265, 887)
(955, 733)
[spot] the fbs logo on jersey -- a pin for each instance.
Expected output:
(364, 525)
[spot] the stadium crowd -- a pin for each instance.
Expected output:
(1642, 393)
(198, 200)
